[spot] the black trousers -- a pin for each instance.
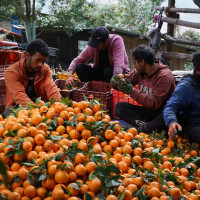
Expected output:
(86, 73)
(132, 114)
(192, 131)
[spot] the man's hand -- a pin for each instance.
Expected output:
(173, 129)
(114, 80)
(125, 86)
(70, 80)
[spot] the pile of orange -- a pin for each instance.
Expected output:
(72, 150)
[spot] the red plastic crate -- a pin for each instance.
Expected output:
(118, 96)
(94, 90)
(2, 70)
(61, 85)
(2, 95)
(11, 56)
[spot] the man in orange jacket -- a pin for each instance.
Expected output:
(30, 78)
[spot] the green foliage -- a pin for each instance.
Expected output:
(73, 15)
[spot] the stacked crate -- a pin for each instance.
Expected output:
(7, 57)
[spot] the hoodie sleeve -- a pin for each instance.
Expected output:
(50, 87)
(83, 58)
(119, 55)
(179, 100)
(160, 92)
(16, 88)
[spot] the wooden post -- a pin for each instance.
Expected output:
(170, 27)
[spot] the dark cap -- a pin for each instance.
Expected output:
(196, 60)
(99, 35)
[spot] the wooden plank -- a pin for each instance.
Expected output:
(180, 40)
(180, 10)
(181, 22)
(175, 55)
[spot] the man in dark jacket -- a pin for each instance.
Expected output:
(182, 111)
(156, 85)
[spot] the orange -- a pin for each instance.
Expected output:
(90, 167)
(21, 133)
(72, 189)
(80, 126)
(31, 131)
(74, 134)
(90, 119)
(95, 185)
(128, 136)
(111, 197)
(137, 160)
(48, 144)
(15, 166)
(175, 192)
(137, 151)
(58, 194)
(83, 146)
(30, 191)
(154, 192)
(22, 173)
(88, 110)
(39, 139)
(95, 107)
(132, 188)
(99, 115)
(80, 170)
(127, 149)
(128, 195)
(13, 195)
(85, 134)
(113, 143)
(32, 154)
(133, 131)
(167, 165)
(148, 165)
(48, 183)
(109, 134)
(19, 190)
(41, 192)
(79, 158)
(50, 114)
(59, 107)
(36, 119)
(60, 129)
(122, 166)
(52, 170)
(27, 146)
(64, 115)
(72, 177)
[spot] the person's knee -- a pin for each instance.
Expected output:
(119, 109)
(79, 68)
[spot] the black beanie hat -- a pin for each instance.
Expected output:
(196, 60)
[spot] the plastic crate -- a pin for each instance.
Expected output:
(11, 56)
(2, 95)
(2, 70)
(118, 96)
(61, 85)
(94, 90)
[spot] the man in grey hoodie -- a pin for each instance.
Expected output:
(156, 85)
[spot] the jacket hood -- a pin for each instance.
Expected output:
(158, 66)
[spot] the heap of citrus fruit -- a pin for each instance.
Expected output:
(72, 150)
